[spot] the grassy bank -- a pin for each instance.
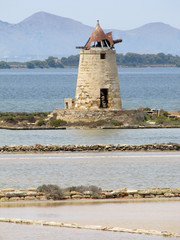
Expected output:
(40, 120)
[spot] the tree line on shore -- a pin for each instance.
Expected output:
(123, 60)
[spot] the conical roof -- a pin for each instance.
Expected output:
(98, 36)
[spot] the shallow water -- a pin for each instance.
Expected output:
(160, 216)
(19, 232)
(92, 136)
(107, 170)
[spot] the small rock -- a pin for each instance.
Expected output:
(30, 198)
(75, 193)
(4, 199)
(7, 190)
(149, 196)
(169, 194)
(14, 199)
(31, 194)
(78, 196)
(137, 196)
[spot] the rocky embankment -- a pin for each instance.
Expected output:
(37, 148)
(10, 194)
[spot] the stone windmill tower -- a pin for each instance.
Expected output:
(97, 82)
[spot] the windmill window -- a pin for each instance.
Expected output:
(66, 104)
(102, 56)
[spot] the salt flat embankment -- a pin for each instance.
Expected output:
(37, 148)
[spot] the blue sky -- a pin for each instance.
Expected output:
(117, 14)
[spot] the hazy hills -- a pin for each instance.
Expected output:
(43, 34)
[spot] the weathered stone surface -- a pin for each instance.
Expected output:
(40, 194)
(94, 74)
(78, 196)
(2, 195)
(4, 199)
(137, 196)
(29, 198)
(15, 194)
(7, 190)
(175, 190)
(132, 191)
(88, 193)
(15, 199)
(87, 196)
(31, 193)
(75, 193)
(149, 196)
(169, 194)
(124, 116)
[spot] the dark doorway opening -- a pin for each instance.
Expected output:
(103, 98)
(102, 56)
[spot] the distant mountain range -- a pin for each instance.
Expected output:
(43, 34)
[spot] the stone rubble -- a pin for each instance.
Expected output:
(89, 148)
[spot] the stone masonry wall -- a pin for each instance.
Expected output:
(94, 74)
(124, 116)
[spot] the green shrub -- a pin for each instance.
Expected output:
(57, 122)
(147, 109)
(10, 119)
(147, 117)
(25, 117)
(15, 117)
(116, 123)
(165, 114)
(100, 122)
(41, 122)
(161, 119)
(52, 191)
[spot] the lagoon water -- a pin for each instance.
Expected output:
(114, 170)
(92, 136)
(25, 90)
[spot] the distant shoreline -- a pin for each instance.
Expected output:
(128, 60)
(76, 67)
